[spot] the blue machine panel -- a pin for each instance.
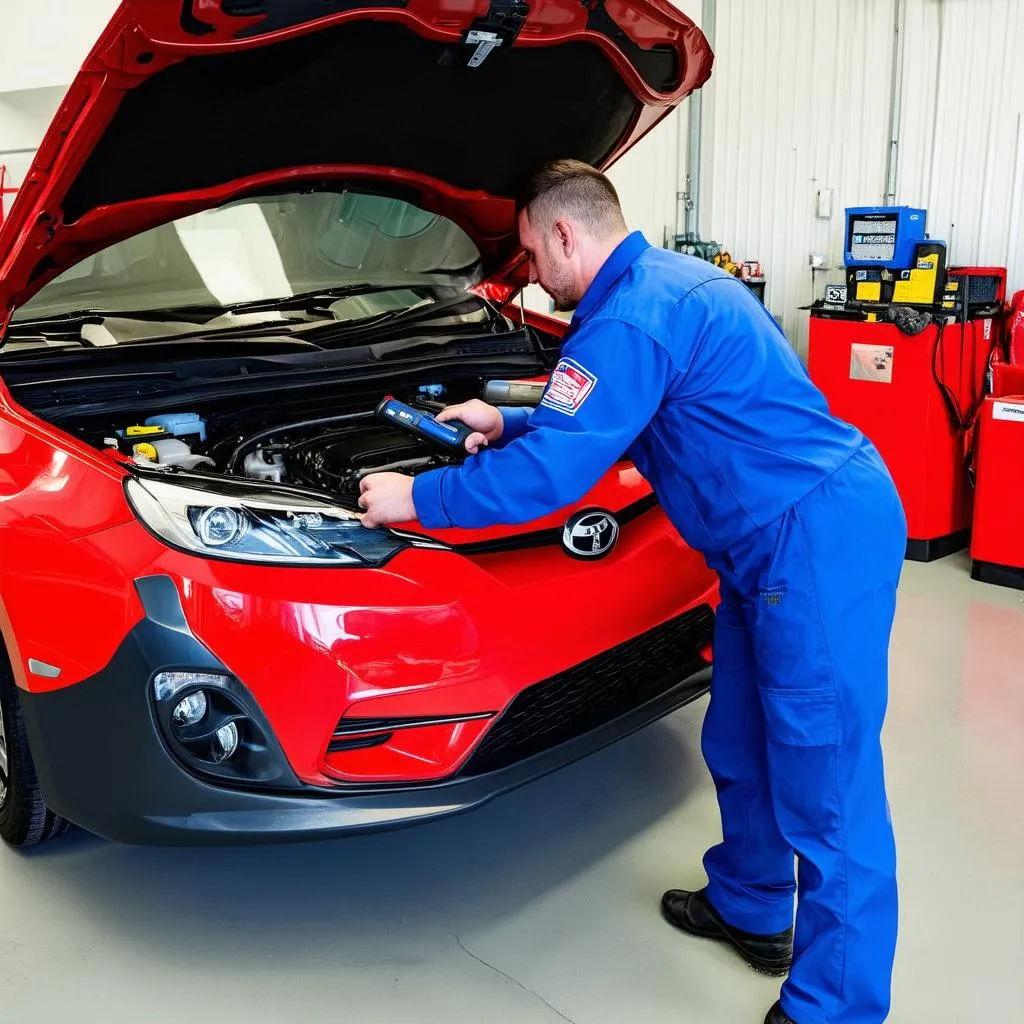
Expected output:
(883, 236)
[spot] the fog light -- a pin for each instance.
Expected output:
(190, 710)
(225, 743)
(167, 684)
(215, 729)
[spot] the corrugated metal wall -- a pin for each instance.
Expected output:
(962, 135)
(799, 103)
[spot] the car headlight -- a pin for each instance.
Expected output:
(233, 520)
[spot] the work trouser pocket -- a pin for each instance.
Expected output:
(802, 730)
(789, 638)
(801, 717)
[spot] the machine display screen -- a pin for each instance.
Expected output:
(873, 240)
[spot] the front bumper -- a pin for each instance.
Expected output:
(102, 764)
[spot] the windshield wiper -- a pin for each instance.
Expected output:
(67, 327)
(397, 319)
(199, 315)
(78, 317)
(241, 333)
(200, 312)
(303, 300)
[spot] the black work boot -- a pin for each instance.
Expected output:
(776, 1016)
(693, 913)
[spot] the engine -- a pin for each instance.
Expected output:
(329, 453)
(336, 460)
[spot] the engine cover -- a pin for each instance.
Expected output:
(337, 460)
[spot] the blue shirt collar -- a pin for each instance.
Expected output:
(623, 256)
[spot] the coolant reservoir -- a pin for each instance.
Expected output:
(263, 465)
(169, 451)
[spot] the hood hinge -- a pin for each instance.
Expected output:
(499, 27)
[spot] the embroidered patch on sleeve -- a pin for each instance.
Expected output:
(570, 387)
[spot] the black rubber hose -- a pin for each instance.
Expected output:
(254, 439)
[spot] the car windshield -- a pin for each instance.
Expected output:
(269, 247)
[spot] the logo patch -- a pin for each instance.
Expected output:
(570, 387)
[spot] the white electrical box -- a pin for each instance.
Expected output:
(824, 204)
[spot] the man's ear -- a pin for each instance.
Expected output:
(565, 234)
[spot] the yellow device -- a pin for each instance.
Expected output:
(921, 285)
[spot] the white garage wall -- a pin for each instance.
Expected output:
(800, 104)
(43, 42)
(42, 45)
(962, 139)
(24, 116)
(800, 100)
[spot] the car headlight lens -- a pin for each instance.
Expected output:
(219, 526)
(231, 519)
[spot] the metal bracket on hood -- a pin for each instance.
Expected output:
(499, 27)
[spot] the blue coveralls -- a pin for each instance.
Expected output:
(678, 364)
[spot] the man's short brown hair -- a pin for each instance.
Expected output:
(571, 188)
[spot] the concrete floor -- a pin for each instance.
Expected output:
(543, 906)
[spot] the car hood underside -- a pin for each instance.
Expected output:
(181, 107)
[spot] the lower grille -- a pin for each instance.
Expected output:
(595, 692)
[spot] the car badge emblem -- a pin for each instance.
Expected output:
(590, 534)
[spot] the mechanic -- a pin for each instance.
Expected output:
(677, 364)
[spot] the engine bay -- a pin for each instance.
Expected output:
(327, 451)
(275, 408)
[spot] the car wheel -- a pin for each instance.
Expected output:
(24, 819)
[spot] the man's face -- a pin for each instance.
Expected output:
(550, 267)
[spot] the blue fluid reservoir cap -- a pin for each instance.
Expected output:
(179, 423)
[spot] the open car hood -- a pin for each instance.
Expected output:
(185, 104)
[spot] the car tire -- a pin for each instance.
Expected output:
(24, 819)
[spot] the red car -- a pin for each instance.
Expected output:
(250, 222)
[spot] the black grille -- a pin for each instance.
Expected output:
(595, 692)
(982, 288)
(539, 538)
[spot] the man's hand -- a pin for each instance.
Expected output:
(486, 422)
(387, 498)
